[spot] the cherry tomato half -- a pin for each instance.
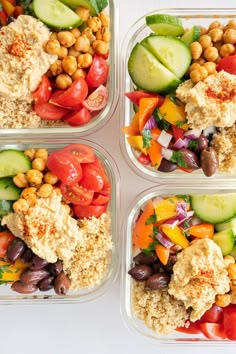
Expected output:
(98, 72)
(100, 199)
(43, 92)
(193, 328)
(76, 194)
(97, 100)
(230, 321)
(92, 178)
(89, 210)
(227, 64)
(6, 238)
(65, 166)
(213, 315)
(76, 119)
(83, 153)
(50, 111)
(213, 330)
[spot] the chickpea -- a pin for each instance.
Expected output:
(82, 44)
(104, 18)
(211, 67)
(30, 153)
(52, 46)
(232, 271)
(215, 24)
(229, 259)
(63, 52)
(41, 153)
(231, 24)
(69, 64)
(203, 30)
(194, 66)
(200, 61)
(104, 34)
(211, 54)
(198, 74)
(205, 41)
(233, 286)
(196, 50)
(67, 208)
(20, 206)
(28, 192)
(89, 34)
(20, 180)
(227, 49)
(50, 178)
(218, 45)
(56, 68)
(79, 73)
(34, 177)
(216, 34)
(233, 298)
(45, 190)
(76, 32)
(222, 300)
(100, 47)
(94, 23)
(72, 51)
(230, 36)
(85, 60)
(66, 38)
(53, 35)
(39, 164)
(63, 81)
(91, 51)
(83, 13)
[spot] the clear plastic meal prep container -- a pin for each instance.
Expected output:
(101, 117)
(7, 296)
(136, 33)
(133, 324)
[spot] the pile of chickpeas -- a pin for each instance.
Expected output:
(76, 48)
(216, 42)
(224, 300)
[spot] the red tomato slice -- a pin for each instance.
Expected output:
(43, 92)
(6, 238)
(98, 72)
(56, 94)
(97, 100)
(100, 199)
(178, 132)
(83, 153)
(76, 194)
(74, 95)
(65, 166)
(89, 211)
(213, 330)
(50, 111)
(213, 315)
(76, 119)
(144, 159)
(194, 328)
(229, 321)
(135, 96)
(92, 177)
(227, 64)
(3, 18)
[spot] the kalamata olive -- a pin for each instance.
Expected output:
(61, 284)
(144, 258)
(55, 268)
(156, 267)
(209, 161)
(15, 249)
(38, 263)
(22, 288)
(202, 143)
(27, 255)
(167, 166)
(33, 276)
(46, 283)
(187, 159)
(157, 281)
(141, 272)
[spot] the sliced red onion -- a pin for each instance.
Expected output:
(164, 139)
(181, 143)
(164, 241)
(208, 131)
(193, 133)
(173, 222)
(187, 218)
(150, 124)
(167, 153)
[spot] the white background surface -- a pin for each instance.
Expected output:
(94, 328)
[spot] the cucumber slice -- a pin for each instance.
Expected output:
(55, 14)
(214, 208)
(13, 162)
(5, 207)
(227, 225)
(171, 52)
(88, 4)
(165, 24)
(192, 35)
(224, 239)
(148, 73)
(233, 252)
(8, 190)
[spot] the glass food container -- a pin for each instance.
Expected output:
(138, 31)
(7, 296)
(134, 324)
(99, 118)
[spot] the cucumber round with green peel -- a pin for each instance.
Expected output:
(170, 51)
(13, 162)
(227, 225)
(165, 24)
(192, 35)
(5, 207)
(225, 240)
(55, 14)
(8, 190)
(214, 208)
(91, 5)
(233, 252)
(148, 73)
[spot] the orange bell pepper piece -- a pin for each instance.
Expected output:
(154, 153)
(202, 230)
(135, 120)
(146, 107)
(8, 7)
(142, 233)
(156, 132)
(175, 234)
(131, 130)
(162, 253)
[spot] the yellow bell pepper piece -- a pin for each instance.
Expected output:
(10, 272)
(175, 234)
(166, 209)
(173, 113)
(136, 142)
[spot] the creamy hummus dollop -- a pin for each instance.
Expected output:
(199, 274)
(23, 60)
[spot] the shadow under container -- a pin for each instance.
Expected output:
(100, 118)
(137, 32)
(135, 325)
(9, 297)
